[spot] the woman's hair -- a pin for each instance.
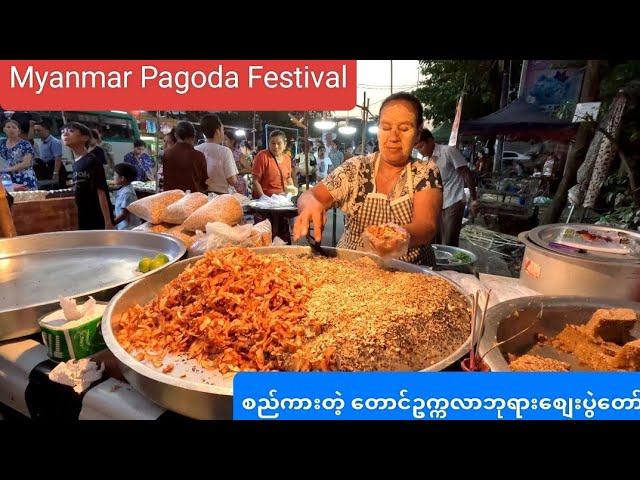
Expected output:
(184, 130)
(81, 127)
(127, 171)
(96, 134)
(232, 138)
(409, 98)
(172, 135)
(209, 124)
(15, 122)
(425, 135)
(45, 123)
(278, 133)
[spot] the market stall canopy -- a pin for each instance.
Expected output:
(442, 132)
(520, 120)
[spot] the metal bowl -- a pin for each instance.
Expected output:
(190, 396)
(508, 318)
(445, 258)
(36, 269)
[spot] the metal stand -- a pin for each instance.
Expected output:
(333, 228)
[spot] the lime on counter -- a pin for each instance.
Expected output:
(156, 263)
(162, 257)
(145, 264)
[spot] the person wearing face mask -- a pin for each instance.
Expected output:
(388, 186)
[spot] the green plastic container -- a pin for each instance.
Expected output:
(75, 339)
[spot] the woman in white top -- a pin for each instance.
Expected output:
(221, 167)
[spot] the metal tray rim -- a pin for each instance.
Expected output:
(177, 241)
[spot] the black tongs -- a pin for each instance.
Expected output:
(316, 247)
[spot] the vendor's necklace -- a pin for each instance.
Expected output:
(391, 179)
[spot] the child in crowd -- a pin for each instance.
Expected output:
(124, 175)
(90, 183)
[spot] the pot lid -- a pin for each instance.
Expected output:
(589, 242)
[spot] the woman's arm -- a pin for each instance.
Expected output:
(427, 205)
(232, 180)
(258, 170)
(23, 165)
(123, 216)
(257, 188)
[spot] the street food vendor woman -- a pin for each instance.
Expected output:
(388, 186)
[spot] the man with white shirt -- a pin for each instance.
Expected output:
(221, 167)
(455, 173)
(324, 163)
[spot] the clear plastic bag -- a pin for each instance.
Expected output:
(261, 234)
(221, 235)
(150, 227)
(179, 211)
(180, 234)
(388, 240)
(223, 208)
(152, 208)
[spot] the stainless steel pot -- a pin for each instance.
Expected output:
(509, 318)
(563, 272)
(189, 395)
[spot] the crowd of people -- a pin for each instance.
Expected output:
(404, 177)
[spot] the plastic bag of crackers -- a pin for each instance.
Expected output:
(388, 240)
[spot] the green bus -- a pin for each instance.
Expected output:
(119, 129)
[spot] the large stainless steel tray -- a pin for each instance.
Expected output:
(503, 322)
(36, 269)
(191, 395)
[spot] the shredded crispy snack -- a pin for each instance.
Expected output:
(386, 232)
(388, 240)
(236, 310)
(232, 310)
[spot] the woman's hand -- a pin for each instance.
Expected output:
(310, 211)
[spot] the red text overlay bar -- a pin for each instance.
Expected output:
(177, 85)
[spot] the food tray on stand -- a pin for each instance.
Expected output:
(188, 389)
(36, 269)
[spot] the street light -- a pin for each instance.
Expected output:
(324, 124)
(347, 130)
(240, 133)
